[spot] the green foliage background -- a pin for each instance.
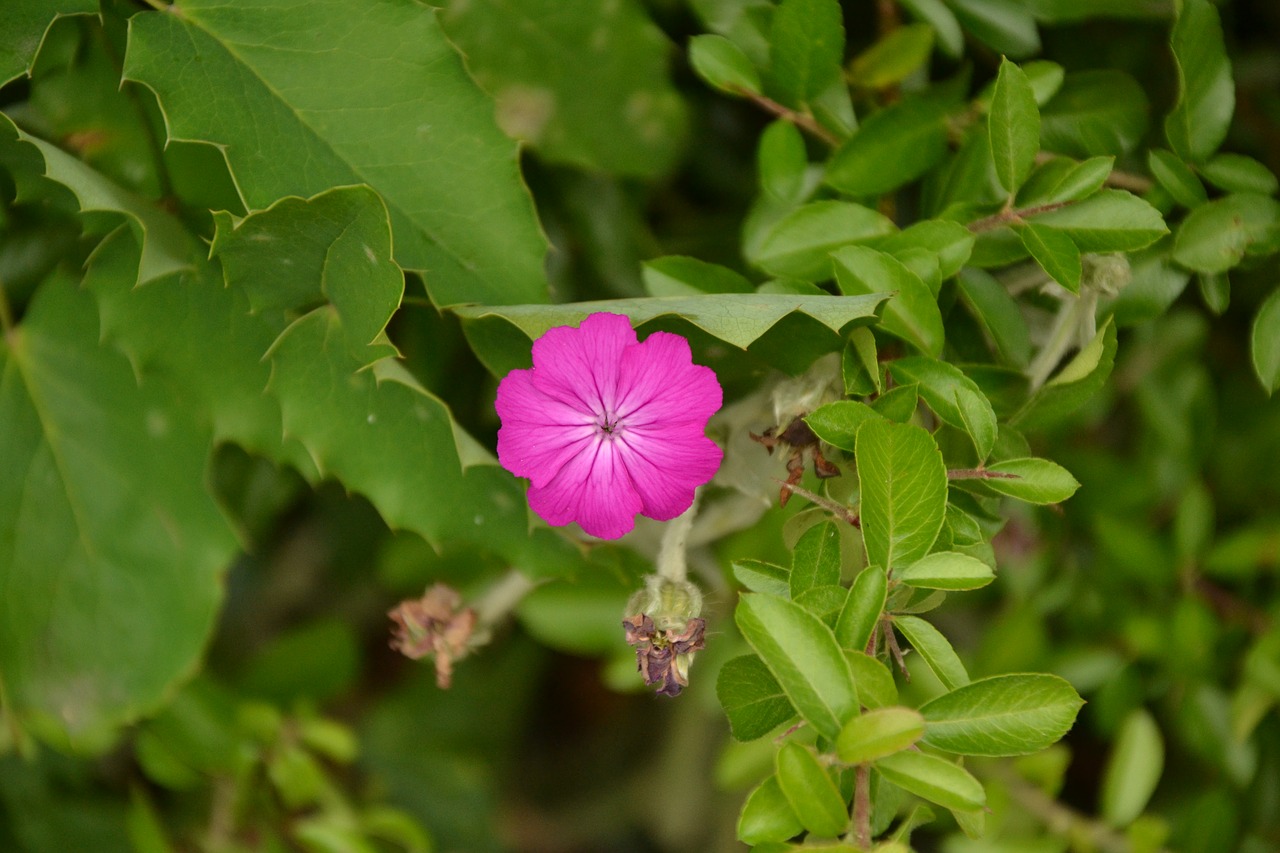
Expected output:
(263, 263)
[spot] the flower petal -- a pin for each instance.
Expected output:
(660, 384)
(666, 464)
(580, 366)
(539, 434)
(594, 489)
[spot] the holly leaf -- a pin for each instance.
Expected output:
(23, 27)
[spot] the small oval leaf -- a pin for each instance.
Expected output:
(879, 733)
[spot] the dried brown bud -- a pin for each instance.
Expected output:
(663, 657)
(434, 625)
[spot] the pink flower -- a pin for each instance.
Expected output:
(605, 427)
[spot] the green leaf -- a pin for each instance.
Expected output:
(1014, 125)
(803, 656)
(806, 49)
(767, 816)
(862, 609)
(1056, 253)
(838, 423)
(1265, 343)
(1083, 180)
(879, 733)
(947, 570)
(949, 241)
(166, 246)
(934, 649)
(897, 404)
(1001, 715)
(1216, 236)
(893, 58)
(335, 247)
(759, 576)
(954, 398)
(935, 779)
(1176, 178)
(676, 275)
(891, 148)
(723, 65)
(1006, 26)
(1074, 385)
(816, 559)
(1215, 289)
(751, 698)
(1237, 173)
(1206, 93)
(346, 106)
(998, 313)
(859, 364)
(23, 28)
(623, 117)
(113, 547)
(1133, 769)
(1108, 221)
(783, 162)
(904, 492)
(943, 22)
(814, 798)
(1036, 481)
(912, 314)
(876, 687)
(824, 601)
(502, 335)
(1095, 113)
(800, 244)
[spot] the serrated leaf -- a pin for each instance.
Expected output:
(335, 247)
(1074, 385)
(893, 57)
(767, 816)
(816, 559)
(623, 116)
(23, 28)
(1055, 252)
(862, 609)
(1036, 481)
(113, 547)
(934, 649)
(837, 423)
(1001, 715)
(751, 697)
(903, 483)
(1133, 769)
(1014, 125)
(799, 245)
(949, 570)
(345, 107)
(1095, 113)
(723, 64)
(998, 313)
(912, 314)
(1237, 173)
(803, 656)
(1216, 236)
(954, 398)
(814, 798)
(1265, 343)
(502, 336)
(1108, 221)
(806, 49)
(166, 246)
(1206, 93)
(935, 779)
(891, 148)
(1176, 178)
(879, 733)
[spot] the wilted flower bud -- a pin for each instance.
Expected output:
(666, 631)
(435, 625)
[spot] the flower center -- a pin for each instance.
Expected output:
(610, 425)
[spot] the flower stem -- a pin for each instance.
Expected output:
(1061, 337)
(497, 602)
(671, 557)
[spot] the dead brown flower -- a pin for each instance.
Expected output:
(435, 625)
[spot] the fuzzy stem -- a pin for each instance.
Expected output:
(671, 557)
(497, 602)
(1060, 340)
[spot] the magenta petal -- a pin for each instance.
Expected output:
(667, 465)
(539, 434)
(660, 384)
(593, 489)
(580, 366)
